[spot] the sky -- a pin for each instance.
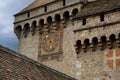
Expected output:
(7, 9)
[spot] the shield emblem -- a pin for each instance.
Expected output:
(113, 59)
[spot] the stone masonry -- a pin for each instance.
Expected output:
(88, 47)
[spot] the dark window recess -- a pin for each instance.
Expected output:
(28, 14)
(84, 21)
(64, 2)
(102, 17)
(45, 8)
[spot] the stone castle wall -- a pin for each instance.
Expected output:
(86, 63)
(29, 45)
(68, 64)
(94, 63)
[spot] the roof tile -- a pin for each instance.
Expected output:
(98, 6)
(14, 66)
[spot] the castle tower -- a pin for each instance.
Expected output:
(80, 38)
(44, 35)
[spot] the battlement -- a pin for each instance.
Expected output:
(40, 8)
(77, 37)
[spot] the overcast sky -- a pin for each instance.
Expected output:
(7, 9)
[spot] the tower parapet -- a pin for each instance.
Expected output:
(77, 37)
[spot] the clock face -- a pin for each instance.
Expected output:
(50, 45)
(50, 42)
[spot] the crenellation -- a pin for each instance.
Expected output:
(66, 41)
(40, 11)
(52, 16)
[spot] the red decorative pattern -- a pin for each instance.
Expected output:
(110, 54)
(110, 64)
(113, 59)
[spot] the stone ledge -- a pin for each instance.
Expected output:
(103, 24)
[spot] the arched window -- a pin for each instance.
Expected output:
(18, 30)
(26, 29)
(41, 23)
(57, 18)
(78, 43)
(66, 16)
(95, 42)
(104, 41)
(87, 43)
(49, 22)
(74, 12)
(112, 38)
(34, 24)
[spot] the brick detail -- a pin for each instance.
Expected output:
(118, 52)
(110, 63)
(117, 64)
(110, 54)
(113, 59)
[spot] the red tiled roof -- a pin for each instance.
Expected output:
(14, 66)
